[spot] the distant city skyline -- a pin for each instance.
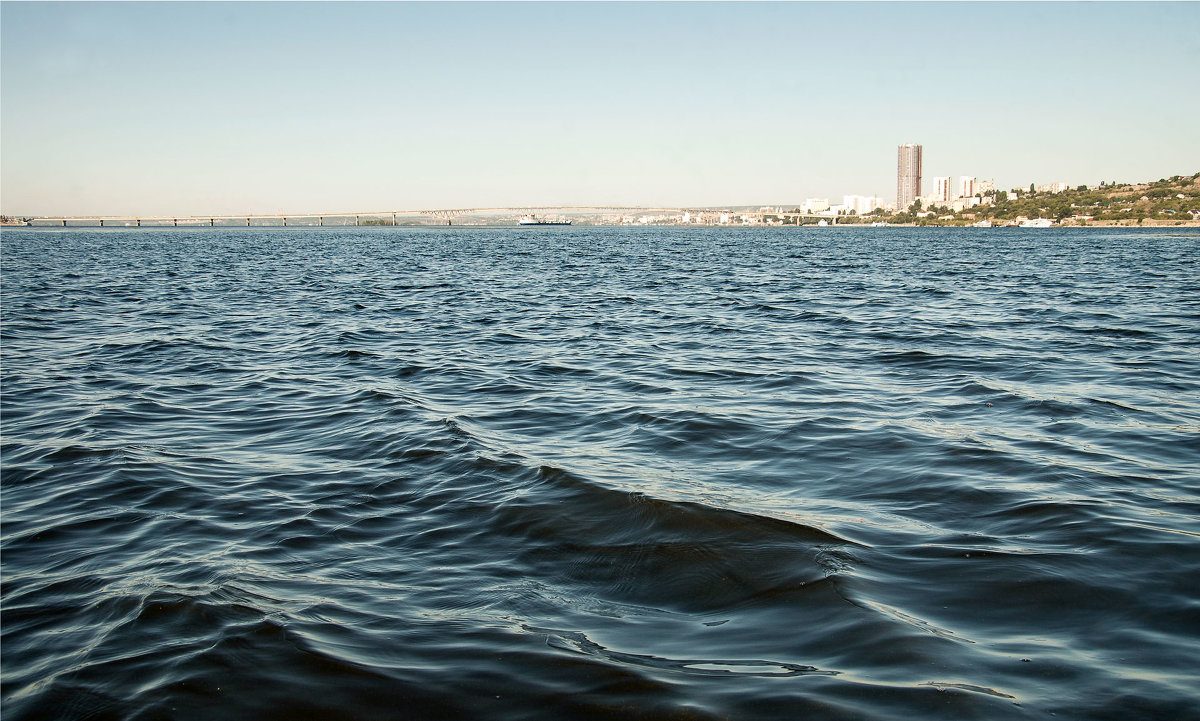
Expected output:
(230, 108)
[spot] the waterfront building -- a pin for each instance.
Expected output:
(943, 192)
(908, 174)
(861, 204)
(815, 205)
(966, 186)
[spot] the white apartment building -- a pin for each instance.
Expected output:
(861, 204)
(966, 186)
(1053, 188)
(815, 205)
(943, 190)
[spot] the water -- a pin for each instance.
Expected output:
(601, 473)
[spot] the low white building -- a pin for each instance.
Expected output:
(815, 205)
(861, 204)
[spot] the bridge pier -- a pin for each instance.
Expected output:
(356, 221)
(247, 222)
(212, 222)
(175, 222)
(393, 220)
(102, 222)
(139, 222)
(320, 221)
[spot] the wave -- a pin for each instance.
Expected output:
(634, 473)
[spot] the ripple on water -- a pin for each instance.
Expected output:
(607, 473)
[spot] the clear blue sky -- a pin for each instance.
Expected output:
(144, 108)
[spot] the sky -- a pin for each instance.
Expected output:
(227, 108)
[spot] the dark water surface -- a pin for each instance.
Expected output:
(601, 473)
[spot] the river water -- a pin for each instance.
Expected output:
(605, 473)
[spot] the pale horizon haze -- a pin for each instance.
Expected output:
(227, 108)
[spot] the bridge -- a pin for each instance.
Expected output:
(359, 217)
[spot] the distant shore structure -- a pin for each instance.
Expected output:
(535, 220)
(908, 175)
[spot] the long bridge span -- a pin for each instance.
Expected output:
(364, 217)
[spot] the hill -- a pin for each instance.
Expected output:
(1169, 201)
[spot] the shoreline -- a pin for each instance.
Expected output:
(1126, 225)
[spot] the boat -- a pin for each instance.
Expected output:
(534, 220)
(1037, 223)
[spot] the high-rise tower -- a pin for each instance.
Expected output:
(908, 175)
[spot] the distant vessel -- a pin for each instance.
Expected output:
(534, 220)
(1037, 223)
